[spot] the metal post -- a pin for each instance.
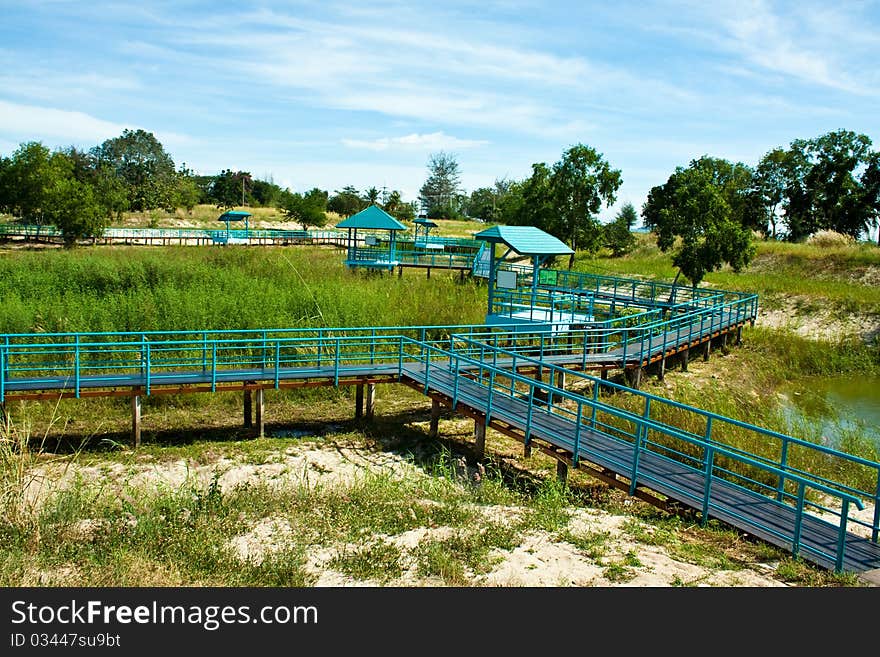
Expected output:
(248, 408)
(136, 421)
(480, 439)
(261, 428)
(359, 401)
(435, 418)
(370, 401)
(562, 472)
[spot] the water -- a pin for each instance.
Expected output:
(838, 404)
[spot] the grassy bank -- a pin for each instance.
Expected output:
(114, 525)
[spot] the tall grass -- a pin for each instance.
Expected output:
(192, 288)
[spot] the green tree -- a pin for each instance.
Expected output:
(535, 206)
(736, 182)
(27, 177)
(397, 208)
(581, 182)
(187, 193)
(231, 188)
(308, 209)
(769, 184)
(76, 210)
(140, 160)
(692, 217)
(346, 202)
(618, 236)
(440, 194)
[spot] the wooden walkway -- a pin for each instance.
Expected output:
(752, 512)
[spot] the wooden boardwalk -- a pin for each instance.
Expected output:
(752, 512)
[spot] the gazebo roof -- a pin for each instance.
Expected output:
(372, 218)
(525, 240)
(427, 223)
(234, 215)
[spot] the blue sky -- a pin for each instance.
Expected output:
(327, 94)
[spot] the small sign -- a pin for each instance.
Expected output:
(371, 240)
(505, 279)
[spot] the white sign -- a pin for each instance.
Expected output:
(505, 279)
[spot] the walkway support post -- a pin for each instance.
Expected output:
(707, 349)
(248, 408)
(562, 472)
(359, 401)
(136, 421)
(435, 418)
(684, 360)
(261, 428)
(370, 401)
(480, 439)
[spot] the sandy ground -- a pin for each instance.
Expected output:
(540, 560)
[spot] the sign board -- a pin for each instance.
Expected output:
(505, 280)
(371, 240)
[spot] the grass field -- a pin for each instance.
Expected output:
(105, 530)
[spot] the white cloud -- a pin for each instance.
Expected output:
(433, 141)
(46, 122)
(63, 127)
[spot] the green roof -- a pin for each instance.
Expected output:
(525, 240)
(425, 222)
(372, 218)
(234, 215)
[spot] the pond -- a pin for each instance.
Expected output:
(835, 406)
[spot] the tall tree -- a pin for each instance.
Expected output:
(230, 188)
(440, 194)
(581, 182)
(769, 184)
(27, 177)
(139, 159)
(618, 235)
(692, 217)
(346, 201)
(308, 209)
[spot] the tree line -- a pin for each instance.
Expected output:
(706, 213)
(84, 191)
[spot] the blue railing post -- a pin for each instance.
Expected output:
(3, 350)
(490, 396)
(577, 435)
(148, 364)
(277, 363)
(427, 365)
(641, 434)
(798, 520)
(76, 365)
(455, 385)
(783, 466)
(213, 365)
(876, 509)
(336, 365)
(399, 357)
(841, 535)
(708, 467)
(204, 351)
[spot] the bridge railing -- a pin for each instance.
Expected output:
(649, 425)
(52, 361)
(786, 453)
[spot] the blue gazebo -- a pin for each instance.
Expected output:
(373, 254)
(540, 247)
(235, 237)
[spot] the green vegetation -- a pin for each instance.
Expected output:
(133, 289)
(105, 531)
